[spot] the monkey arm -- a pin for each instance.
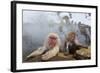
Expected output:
(51, 53)
(37, 52)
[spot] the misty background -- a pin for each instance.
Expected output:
(38, 24)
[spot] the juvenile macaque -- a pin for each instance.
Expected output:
(49, 49)
(71, 44)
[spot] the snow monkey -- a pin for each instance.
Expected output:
(49, 49)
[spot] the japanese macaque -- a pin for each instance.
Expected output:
(71, 44)
(49, 49)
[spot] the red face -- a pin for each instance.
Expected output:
(52, 41)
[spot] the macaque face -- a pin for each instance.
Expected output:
(52, 41)
(71, 37)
